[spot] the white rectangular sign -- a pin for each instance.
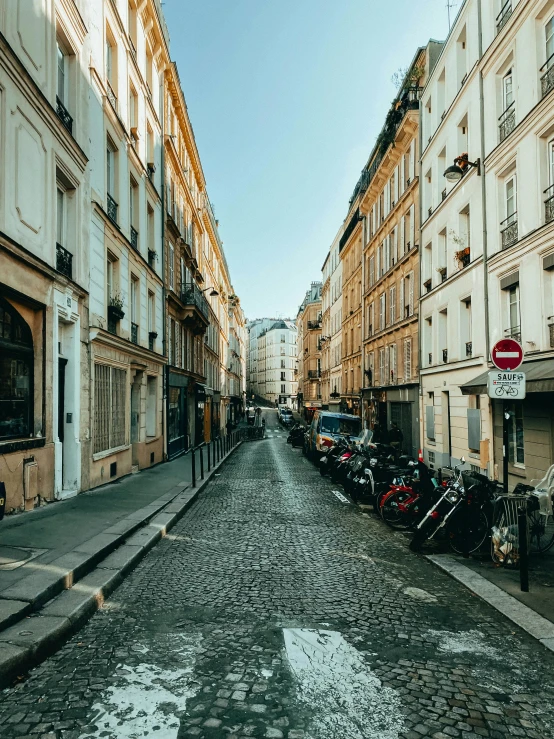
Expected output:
(506, 385)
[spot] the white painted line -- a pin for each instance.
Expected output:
(345, 699)
(527, 619)
(341, 497)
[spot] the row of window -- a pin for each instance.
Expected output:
(387, 371)
(391, 306)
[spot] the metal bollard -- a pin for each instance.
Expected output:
(193, 469)
(523, 549)
(466, 520)
(201, 463)
(208, 449)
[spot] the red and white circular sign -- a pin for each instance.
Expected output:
(507, 354)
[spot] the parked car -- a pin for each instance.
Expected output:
(285, 417)
(326, 428)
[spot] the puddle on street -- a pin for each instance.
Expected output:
(344, 698)
(147, 698)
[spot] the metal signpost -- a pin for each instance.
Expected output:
(507, 356)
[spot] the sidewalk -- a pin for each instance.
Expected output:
(500, 588)
(58, 563)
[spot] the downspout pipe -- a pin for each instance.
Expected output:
(165, 404)
(483, 185)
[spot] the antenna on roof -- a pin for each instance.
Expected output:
(450, 4)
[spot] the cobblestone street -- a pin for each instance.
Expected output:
(274, 609)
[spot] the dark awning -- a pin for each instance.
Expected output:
(539, 378)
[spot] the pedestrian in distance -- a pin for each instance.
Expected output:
(396, 437)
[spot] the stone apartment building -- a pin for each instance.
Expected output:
(276, 358)
(388, 192)
(309, 322)
(45, 443)
(84, 335)
(350, 253)
(331, 297)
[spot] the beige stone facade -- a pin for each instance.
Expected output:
(350, 248)
(309, 321)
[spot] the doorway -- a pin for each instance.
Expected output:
(62, 363)
(401, 414)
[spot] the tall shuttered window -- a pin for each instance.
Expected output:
(110, 392)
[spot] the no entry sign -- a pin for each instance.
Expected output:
(507, 354)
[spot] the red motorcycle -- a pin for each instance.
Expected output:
(403, 506)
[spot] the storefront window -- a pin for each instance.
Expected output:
(16, 374)
(516, 441)
(175, 426)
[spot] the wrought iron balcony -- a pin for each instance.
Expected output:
(549, 204)
(134, 238)
(469, 348)
(547, 80)
(63, 115)
(192, 295)
(134, 333)
(507, 121)
(551, 333)
(504, 15)
(64, 261)
(514, 332)
(354, 220)
(313, 325)
(112, 208)
(314, 374)
(112, 97)
(508, 231)
(445, 355)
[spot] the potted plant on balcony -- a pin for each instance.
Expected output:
(152, 256)
(462, 257)
(115, 307)
(442, 271)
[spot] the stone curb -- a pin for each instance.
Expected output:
(523, 616)
(70, 597)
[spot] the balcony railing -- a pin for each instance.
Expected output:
(134, 333)
(551, 334)
(134, 238)
(443, 194)
(314, 324)
(549, 204)
(507, 121)
(469, 348)
(64, 261)
(514, 332)
(504, 15)
(314, 374)
(63, 115)
(547, 80)
(112, 97)
(445, 355)
(112, 209)
(192, 295)
(508, 231)
(354, 220)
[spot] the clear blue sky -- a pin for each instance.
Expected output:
(286, 98)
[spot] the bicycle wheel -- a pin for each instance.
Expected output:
(473, 532)
(390, 512)
(511, 391)
(499, 390)
(541, 532)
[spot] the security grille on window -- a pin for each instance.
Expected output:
(109, 417)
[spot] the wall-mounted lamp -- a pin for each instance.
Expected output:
(460, 167)
(213, 293)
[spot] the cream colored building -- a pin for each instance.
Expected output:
(44, 264)
(517, 68)
(308, 322)
(331, 340)
(389, 191)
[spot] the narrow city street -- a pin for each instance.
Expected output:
(277, 609)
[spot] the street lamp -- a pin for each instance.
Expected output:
(213, 293)
(459, 168)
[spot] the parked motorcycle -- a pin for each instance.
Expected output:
(463, 512)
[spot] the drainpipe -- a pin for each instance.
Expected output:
(420, 261)
(483, 185)
(165, 404)
(362, 375)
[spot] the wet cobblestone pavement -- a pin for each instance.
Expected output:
(273, 609)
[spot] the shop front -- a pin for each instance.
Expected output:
(395, 404)
(177, 437)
